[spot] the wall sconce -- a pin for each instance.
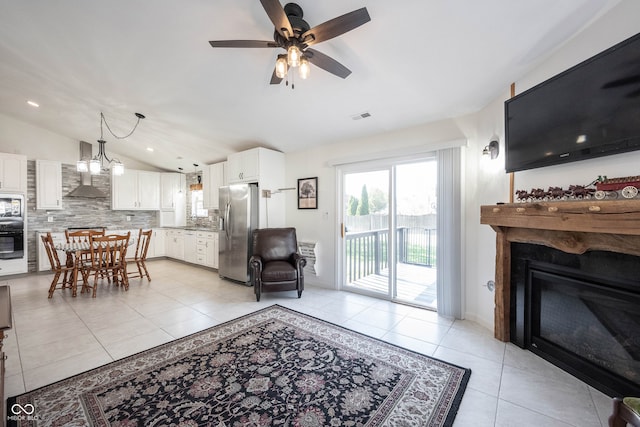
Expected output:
(493, 149)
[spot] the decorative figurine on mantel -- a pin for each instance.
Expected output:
(600, 188)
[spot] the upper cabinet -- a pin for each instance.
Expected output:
(173, 200)
(214, 177)
(48, 185)
(13, 173)
(266, 167)
(170, 186)
(135, 190)
(244, 166)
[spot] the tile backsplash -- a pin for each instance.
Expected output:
(78, 211)
(211, 220)
(88, 212)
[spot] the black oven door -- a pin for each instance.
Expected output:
(11, 244)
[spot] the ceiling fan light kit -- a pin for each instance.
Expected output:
(293, 56)
(294, 35)
(282, 66)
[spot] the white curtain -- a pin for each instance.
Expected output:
(449, 247)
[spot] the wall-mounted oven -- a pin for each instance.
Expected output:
(12, 226)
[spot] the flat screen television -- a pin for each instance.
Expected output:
(590, 110)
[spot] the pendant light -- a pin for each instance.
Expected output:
(101, 162)
(198, 186)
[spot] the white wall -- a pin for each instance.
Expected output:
(18, 137)
(485, 181)
(492, 185)
(321, 225)
(617, 25)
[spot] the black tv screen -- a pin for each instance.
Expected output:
(590, 110)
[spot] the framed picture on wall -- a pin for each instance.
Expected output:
(308, 193)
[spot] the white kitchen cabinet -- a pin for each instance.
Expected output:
(175, 244)
(170, 186)
(13, 173)
(135, 190)
(245, 165)
(190, 252)
(266, 167)
(41, 253)
(214, 178)
(48, 185)
(158, 243)
(207, 248)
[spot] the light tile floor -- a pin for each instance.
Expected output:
(54, 338)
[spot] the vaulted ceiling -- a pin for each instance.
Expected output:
(416, 61)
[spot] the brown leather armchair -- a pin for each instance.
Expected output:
(276, 264)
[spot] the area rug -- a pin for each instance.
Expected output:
(274, 367)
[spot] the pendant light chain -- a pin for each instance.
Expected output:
(97, 163)
(104, 120)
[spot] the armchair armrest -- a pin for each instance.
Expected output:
(255, 262)
(298, 261)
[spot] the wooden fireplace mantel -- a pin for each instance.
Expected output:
(571, 226)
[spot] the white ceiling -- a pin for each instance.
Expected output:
(416, 61)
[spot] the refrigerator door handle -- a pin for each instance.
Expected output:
(227, 213)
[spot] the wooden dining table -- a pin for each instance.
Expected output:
(75, 251)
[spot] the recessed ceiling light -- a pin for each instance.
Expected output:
(33, 104)
(150, 149)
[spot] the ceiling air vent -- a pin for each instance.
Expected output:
(361, 116)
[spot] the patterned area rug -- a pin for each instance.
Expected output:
(274, 367)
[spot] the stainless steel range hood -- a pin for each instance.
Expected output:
(86, 188)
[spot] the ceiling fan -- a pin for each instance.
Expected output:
(293, 34)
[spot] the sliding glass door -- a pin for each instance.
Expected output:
(366, 231)
(389, 230)
(415, 233)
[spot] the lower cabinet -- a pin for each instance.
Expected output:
(158, 243)
(190, 253)
(196, 247)
(207, 248)
(175, 244)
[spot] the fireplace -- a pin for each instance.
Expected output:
(568, 286)
(580, 312)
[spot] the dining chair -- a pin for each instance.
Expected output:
(58, 268)
(81, 238)
(140, 256)
(107, 255)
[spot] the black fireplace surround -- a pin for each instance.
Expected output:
(579, 312)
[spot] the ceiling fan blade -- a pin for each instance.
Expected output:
(276, 13)
(242, 43)
(633, 94)
(622, 82)
(336, 26)
(275, 80)
(327, 63)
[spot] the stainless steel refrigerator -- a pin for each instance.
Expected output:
(238, 219)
